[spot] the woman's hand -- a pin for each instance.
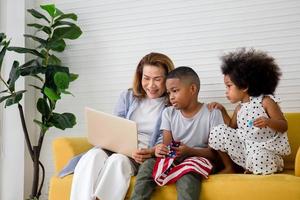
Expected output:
(141, 155)
(161, 150)
(182, 150)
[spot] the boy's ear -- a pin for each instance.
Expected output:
(193, 88)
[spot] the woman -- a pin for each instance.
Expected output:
(105, 175)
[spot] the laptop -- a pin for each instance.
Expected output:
(111, 132)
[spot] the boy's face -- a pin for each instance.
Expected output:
(180, 93)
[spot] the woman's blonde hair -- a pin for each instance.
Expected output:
(154, 59)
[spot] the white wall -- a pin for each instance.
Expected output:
(11, 135)
(117, 33)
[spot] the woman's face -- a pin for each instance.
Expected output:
(153, 81)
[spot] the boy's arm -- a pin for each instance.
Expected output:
(161, 149)
(167, 137)
(199, 152)
(276, 120)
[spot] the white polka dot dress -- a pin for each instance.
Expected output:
(258, 150)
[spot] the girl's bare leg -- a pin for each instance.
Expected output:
(228, 164)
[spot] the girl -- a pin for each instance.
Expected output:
(255, 137)
(105, 175)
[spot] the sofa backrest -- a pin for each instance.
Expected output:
(294, 138)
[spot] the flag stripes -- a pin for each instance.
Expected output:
(166, 172)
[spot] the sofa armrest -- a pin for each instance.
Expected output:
(297, 163)
(65, 148)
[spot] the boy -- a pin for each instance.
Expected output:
(187, 121)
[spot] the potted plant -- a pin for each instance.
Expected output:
(53, 78)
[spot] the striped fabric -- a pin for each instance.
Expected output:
(166, 172)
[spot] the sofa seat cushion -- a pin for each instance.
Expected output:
(235, 186)
(217, 187)
(60, 188)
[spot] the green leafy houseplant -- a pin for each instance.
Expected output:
(53, 77)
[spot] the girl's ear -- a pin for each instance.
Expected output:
(245, 90)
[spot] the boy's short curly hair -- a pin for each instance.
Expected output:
(252, 69)
(185, 74)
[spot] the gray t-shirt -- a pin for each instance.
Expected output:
(194, 131)
(145, 115)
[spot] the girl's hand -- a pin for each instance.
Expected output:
(261, 122)
(215, 105)
(161, 150)
(142, 154)
(182, 150)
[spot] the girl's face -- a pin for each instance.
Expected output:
(153, 81)
(233, 93)
(179, 93)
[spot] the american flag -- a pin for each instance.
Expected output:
(166, 172)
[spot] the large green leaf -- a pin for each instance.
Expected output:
(67, 16)
(3, 98)
(50, 8)
(73, 77)
(51, 71)
(40, 40)
(26, 50)
(46, 29)
(28, 63)
(63, 121)
(72, 32)
(4, 91)
(15, 98)
(53, 60)
(3, 50)
(61, 80)
(62, 23)
(66, 92)
(44, 127)
(13, 75)
(51, 94)
(2, 37)
(58, 12)
(56, 45)
(32, 70)
(43, 107)
(38, 15)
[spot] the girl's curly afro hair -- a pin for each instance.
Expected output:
(252, 69)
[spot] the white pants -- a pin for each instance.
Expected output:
(97, 175)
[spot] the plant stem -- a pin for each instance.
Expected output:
(36, 170)
(43, 178)
(25, 131)
(4, 82)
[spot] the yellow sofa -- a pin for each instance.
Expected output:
(285, 185)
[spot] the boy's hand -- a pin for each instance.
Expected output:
(215, 105)
(161, 150)
(182, 150)
(261, 122)
(141, 155)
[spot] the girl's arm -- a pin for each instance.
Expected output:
(233, 120)
(216, 105)
(276, 120)
(161, 149)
